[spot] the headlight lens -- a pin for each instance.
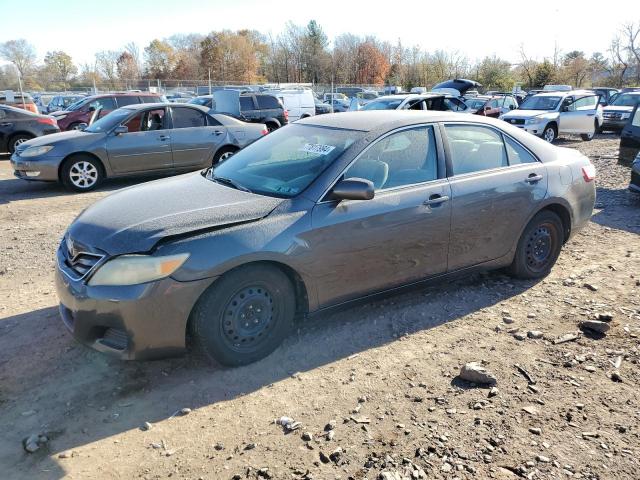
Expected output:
(625, 116)
(35, 151)
(135, 269)
(531, 121)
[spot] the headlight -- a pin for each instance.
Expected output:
(531, 121)
(135, 269)
(625, 116)
(35, 151)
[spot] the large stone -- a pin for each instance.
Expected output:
(595, 326)
(474, 372)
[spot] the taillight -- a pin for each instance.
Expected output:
(48, 121)
(286, 115)
(589, 173)
(264, 131)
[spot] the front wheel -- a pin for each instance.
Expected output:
(538, 247)
(550, 133)
(81, 173)
(223, 154)
(244, 316)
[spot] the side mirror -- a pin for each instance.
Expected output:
(353, 189)
(120, 129)
(82, 126)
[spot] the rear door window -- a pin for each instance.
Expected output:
(266, 102)
(475, 148)
(128, 100)
(187, 118)
(517, 153)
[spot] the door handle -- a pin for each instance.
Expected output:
(164, 137)
(435, 200)
(218, 132)
(533, 178)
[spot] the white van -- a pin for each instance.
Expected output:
(299, 103)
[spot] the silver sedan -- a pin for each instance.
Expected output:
(137, 139)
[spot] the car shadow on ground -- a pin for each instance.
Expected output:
(617, 208)
(87, 396)
(16, 189)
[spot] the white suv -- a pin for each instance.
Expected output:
(552, 113)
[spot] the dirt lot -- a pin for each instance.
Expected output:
(384, 374)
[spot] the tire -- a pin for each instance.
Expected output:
(17, 140)
(550, 133)
(223, 154)
(586, 137)
(538, 247)
(221, 325)
(73, 126)
(271, 126)
(81, 173)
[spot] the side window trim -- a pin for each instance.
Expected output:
(439, 161)
(504, 137)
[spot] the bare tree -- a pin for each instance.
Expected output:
(21, 53)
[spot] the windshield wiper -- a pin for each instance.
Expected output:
(228, 182)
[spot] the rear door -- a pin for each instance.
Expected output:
(145, 147)
(496, 184)
(193, 138)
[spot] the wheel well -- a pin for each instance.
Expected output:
(554, 124)
(15, 134)
(273, 122)
(564, 215)
(76, 154)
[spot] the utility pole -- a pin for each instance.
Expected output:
(24, 107)
(209, 81)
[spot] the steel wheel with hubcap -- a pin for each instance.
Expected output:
(539, 246)
(81, 173)
(244, 315)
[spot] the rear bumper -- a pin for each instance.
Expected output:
(136, 322)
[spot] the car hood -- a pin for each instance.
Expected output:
(75, 136)
(612, 108)
(135, 219)
(525, 113)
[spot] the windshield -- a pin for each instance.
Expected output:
(285, 162)
(390, 104)
(540, 102)
(67, 101)
(109, 121)
(76, 105)
(626, 100)
(475, 103)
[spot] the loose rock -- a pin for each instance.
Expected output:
(595, 326)
(474, 372)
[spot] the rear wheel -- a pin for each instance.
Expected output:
(223, 154)
(81, 173)
(17, 140)
(244, 316)
(271, 127)
(538, 247)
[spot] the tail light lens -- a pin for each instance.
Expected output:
(48, 121)
(264, 131)
(589, 173)
(286, 115)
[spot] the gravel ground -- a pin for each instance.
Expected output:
(375, 388)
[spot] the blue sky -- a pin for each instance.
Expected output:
(476, 29)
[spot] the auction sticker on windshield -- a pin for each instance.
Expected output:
(317, 148)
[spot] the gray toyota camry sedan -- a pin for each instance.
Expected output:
(322, 212)
(160, 138)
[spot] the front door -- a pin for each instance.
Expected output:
(578, 114)
(145, 147)
(398, 237)
(193, 141)
(496, 184)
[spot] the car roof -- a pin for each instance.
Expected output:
(369, 120)
(144, 106)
